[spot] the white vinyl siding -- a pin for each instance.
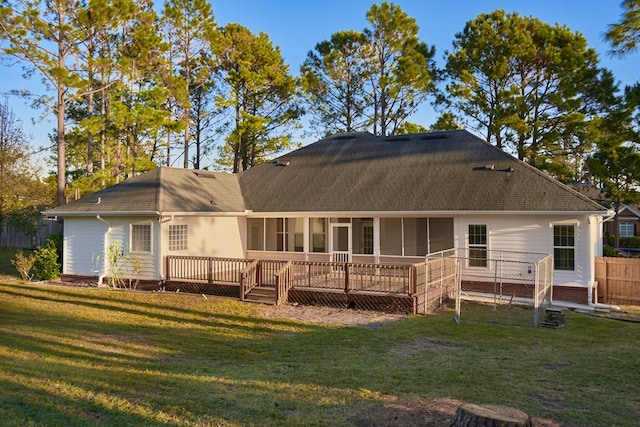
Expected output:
(83, 246)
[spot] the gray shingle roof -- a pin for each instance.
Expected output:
(424, 172)
(164, 190)
(447, 171)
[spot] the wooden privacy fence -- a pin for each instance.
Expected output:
(13, 237)
(618, 280)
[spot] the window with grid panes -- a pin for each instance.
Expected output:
(627, 229)
(564, 247)
(477, 245)
(141, 238)
(178, 237)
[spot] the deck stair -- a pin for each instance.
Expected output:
(262, 294)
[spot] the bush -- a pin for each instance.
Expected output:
(57, 241)
(46, 261)
(24, 264)
(609, 251)
(626, 242)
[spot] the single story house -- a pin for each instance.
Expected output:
(352, 197)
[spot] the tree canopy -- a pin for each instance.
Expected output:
(528, 87)
(133, 86)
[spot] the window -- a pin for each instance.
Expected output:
(362, 236)
(284, 234)
(564, 247)
(627, 229)
(178, 237)
(140, 238)
(318, 232)
(477, 245)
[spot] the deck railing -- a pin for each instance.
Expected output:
(330, 276)
(284, 282)
(209, 269)
(249, 278)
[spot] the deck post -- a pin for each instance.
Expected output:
(167, 271)
(412, 280)
(210, 272)
(346, 277)
(259, 273)
(242, 280)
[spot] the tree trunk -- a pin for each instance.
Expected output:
(470, 415)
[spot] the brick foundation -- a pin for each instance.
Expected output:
(575, 294)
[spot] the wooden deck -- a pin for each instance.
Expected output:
(391, 288)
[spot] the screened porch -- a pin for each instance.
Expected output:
(374, 239)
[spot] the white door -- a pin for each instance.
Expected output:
(340, 242)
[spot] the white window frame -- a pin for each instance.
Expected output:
(561, 246)
(629, 229)
(478, 246)
(131, 246)
(178, 237)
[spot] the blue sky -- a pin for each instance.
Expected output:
(297, 25)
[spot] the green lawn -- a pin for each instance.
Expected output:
(80, 356)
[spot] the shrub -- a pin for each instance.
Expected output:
(57, 241)
(626, 242)
(46, 262)
(609, 251)
(24, 264)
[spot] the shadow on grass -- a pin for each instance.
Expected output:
(87, 356)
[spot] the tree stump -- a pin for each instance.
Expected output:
(470, 415)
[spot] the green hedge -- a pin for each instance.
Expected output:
(626, 242)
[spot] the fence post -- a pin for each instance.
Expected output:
(167, 270)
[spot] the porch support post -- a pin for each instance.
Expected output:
(376, 239)
(306, 237)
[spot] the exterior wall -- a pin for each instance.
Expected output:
(83, 246)
(87, 241)
(222, 237)
(534, 234)
(120, 234)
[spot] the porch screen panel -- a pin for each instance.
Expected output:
(415, 236)
(440, 234)
(273, 234)
(318, 233)
(255, 233)
(391, 236)
(362, 236)
(295, 234)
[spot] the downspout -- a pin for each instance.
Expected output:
(103, 274)
(162, 275)
(601, 219)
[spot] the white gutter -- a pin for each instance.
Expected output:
(104, 250)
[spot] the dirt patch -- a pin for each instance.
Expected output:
(331, 315)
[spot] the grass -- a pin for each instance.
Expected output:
(80, 356)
